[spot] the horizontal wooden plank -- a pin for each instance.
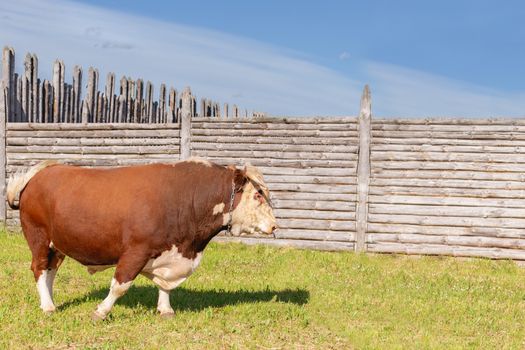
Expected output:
(436, 141)
(316, 188)
(94, 133)
(446, 174)
(85, 150)
(314, 205)
(88, 141)
(450, 201)
(445, 230)
(447, 192)
(291, 243)
(301, 196)
(448, 157)
(446, 220)
(448, 121)
(276, 154)
(445, 211)
(449, 183)
(90, 126)
(457, 251)
(325, 180)
(453, 128)
(311, 224)
(96, 162)
(315, 235)
(281, 119)
(219, 124)
(313, 214)
(446, 148)
(214, 146)
(482, 135)
(465, 166)
(273, 133)
(347, 172)
(283, 140)
(286, 163)
(470, 241)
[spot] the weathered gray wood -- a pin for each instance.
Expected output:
(453, 201)
(213, 146)
(457, 251)
(447, 192)
(363, 171)
(273, 133)
(244, 124)
(291, 243)
(448, 221)
(91, 95)
(109, 92)
(4, 100)
(450, 183)
(446, 230)
(33, 115)
(138, 113)
(283, 139)
(162, 104)
(447, 211)
(8, 78)
(448, 157)
(172, 114)
(18, 99)
(379, 173)
(468, 241)
(465, 166)
(315, 235)
(92, 141)
(280, 155)
(76, 94)
(185, 124)
(132, 115)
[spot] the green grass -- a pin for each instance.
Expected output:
(261, 297)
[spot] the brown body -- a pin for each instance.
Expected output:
(130, 216)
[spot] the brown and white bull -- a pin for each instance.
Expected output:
(154, 220)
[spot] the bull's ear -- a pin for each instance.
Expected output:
(239, 179)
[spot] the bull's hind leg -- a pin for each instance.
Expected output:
(128, 267)
(45, 263)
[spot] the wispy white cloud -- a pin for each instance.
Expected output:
(406, 92)
(343, 56)
(216, 65)
(230, 68)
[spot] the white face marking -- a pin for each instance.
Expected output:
(44, 285)
(170, 269)
(251, 215)
(116, 291)
(218, 208)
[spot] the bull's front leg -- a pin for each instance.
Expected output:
(116, 291)
(128, 267)
(164, 305)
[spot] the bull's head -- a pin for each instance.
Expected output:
(253, 213)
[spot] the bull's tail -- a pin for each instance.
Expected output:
(18, 181)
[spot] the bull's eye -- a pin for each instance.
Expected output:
(258, 196)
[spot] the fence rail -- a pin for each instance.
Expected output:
(412, 186)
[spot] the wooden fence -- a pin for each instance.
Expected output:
(413, 186)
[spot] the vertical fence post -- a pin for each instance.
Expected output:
(185, 124)
(4, 98)
(363, 171)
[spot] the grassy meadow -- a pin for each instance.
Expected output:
(267, 298)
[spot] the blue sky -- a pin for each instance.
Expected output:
(420, 58)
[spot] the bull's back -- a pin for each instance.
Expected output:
(88, 212)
